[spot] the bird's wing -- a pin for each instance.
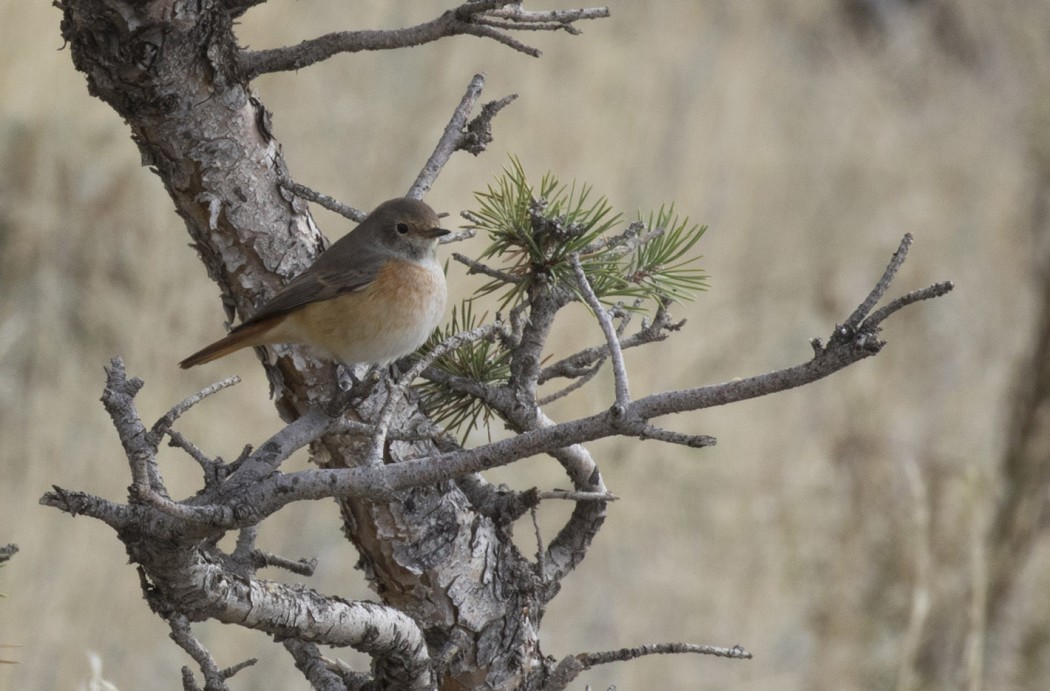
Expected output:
(326, 278)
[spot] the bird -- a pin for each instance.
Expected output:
(373, 297)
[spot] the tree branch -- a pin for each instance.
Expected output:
(327, 202)
(839, 353)
(214, 677)
(467, 19)
(572, 666)
(318, 672)
(580, 364)
(612, 339)
(459, 135)
(200, 589)
(256, 489)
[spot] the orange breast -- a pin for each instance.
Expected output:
(386, 320)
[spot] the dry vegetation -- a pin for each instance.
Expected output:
(825, 518)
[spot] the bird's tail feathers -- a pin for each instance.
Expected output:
(243, 336)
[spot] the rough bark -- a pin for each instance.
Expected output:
(170, 69)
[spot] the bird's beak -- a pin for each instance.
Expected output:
(435, 232)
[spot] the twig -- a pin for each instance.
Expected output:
(541, 557)
(268, 457)
(330, 203)
(394, 393)
(168, 419)
(450, 139)
(214, 678)
(578, 496)
(584, 375)
(573, 665)
(476, 267)
(510, 26)
(934, 291)
(881, 286)
(623, 393)
(245, 548)
(624, 654)
(463, 20)
(693, 441)
(478, 134)
(300, 567)
(212, 468)
(140, 447)
(579, 383)
(457, 236)
(579, 363)
(562, 17)
(315, 667)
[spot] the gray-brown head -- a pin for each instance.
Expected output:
(402, 227)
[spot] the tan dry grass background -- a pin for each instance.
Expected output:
(803, 535)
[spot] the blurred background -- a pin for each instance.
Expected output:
(840, 532)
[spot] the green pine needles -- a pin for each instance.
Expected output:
(533, 236)
(479, 363)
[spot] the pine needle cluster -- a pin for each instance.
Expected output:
(533, 234)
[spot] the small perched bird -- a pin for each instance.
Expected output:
(374, 296)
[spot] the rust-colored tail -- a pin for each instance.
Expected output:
(245, 335)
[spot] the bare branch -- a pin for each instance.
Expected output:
(269, 456)
(300, 567)
(693, 441)
(467, 19)
(624, 654)
(514, 12)
(458, 236)
(209, 466)
(581, 380)
(140, 447)
(476, 267)
(479, 130)
(623, 393)
(928, 293)
(245, 548)
(393, 640)
(580, 363)
(881, 286)
(214, 678)
(451, 139)
(578, 496)
(573, 665)
(330, 203)
(541, 556)
(318, 672)
(164, 423)
(380, 482)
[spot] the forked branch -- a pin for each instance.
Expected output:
(485, 18)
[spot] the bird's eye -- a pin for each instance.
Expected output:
(402, 228)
